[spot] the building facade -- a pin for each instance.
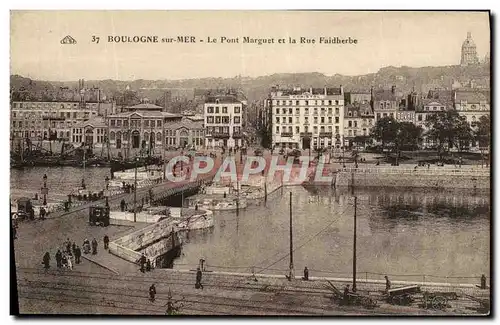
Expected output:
(138, 129)
(386, 103)
(358, 121)
(92, 133)
(185, 133)
(305, 118)
(223, 119)
(44, 120)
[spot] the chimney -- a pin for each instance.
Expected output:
(393, 89)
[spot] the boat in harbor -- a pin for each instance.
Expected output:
(203, 220)
(122, 164)
(217, 202)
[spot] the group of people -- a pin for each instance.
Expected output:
(145, 264)
(70, 254)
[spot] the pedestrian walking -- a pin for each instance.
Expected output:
(122, 205)
(199, 275)
(73, 248)
(78, 254)
(148, 265)
(46, 260)
(142, 261)
(346, 295)
(69, 260)
(86, 246)
(42, 213)
(94, 246)
(306, 274)
(106, 241)
(59, 259)
(152, 293)
(387, 284)
(68, 246)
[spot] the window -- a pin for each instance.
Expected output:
(350, 132)
(277, 129)
(355, 124)
(336, 120)
(307, 102)
(381, 105)
(236, 129)
(297, 111)
(277, 111)
(237, 109)
(224, 109)
(315, 110)
(329, 102)
(210, 109)
(225, 119)
(336, 111)
(297, 129)
(330, 119)
(307, 111)
(350, 124)
(146, 123)
(290, 111)
(112, 122)
(349, 114)
(336, 102)
(158, 124)
(118, 122)
(290, 120)
(329, 110)
(354, 132)
(322, 120)
(277, 119)
(284, 119)
(210, 119)
(315, 120)
(284, 110)
(306, 119)
(297, 119)
(217, 119)
(125, 123)
(297, 103)
(306, 129)
(236, 120)
(355, 114)
(216, 109)
(329, 128)
(315, 128)
(378, 115)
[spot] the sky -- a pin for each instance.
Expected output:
(412, 39)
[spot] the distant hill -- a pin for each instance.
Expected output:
(404, 78)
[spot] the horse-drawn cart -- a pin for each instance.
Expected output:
(402, 296)
(352, 299)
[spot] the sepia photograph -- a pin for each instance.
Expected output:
(250, 163)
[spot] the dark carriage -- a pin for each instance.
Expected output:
(99, 216)
(402, 296)
(353, 299)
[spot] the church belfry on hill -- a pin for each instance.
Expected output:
(469, 53)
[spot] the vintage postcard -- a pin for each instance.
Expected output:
(250, 163)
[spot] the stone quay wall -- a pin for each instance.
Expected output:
(479, 179)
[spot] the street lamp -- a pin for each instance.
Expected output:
(45, 190)
(135, 190)
(106, 192)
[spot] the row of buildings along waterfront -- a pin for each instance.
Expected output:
(297, 117)
(331, 118)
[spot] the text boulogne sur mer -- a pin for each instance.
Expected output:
(231, 40)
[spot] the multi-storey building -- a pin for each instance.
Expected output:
(92, 132)
(358, 121)
(36, 119)
(305, 118)
(223, 118)
(185, 133)
(472, 104)
(139, 129)
(386, 103)
(357, 96)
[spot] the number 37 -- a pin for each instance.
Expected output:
(95, 39)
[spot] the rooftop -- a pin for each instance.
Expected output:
(472, 96)
(222, 100)
(144, 106)
(96, 122)
(157, 114)
(185, 123)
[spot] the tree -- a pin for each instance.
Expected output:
(448, 129)
(482, 132)
(409, 135)
(385, 130)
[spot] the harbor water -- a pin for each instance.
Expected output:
(416, 235)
